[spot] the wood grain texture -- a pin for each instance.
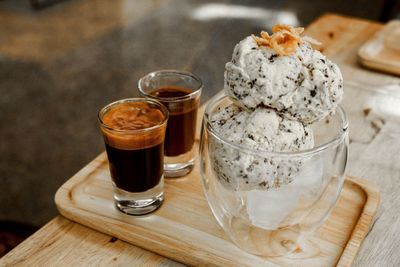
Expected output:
(373, 155)
(59, 242)
(382, 51)
(185, 230)
(374, 137)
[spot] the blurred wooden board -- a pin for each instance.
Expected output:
(185, 230)
(382, 51)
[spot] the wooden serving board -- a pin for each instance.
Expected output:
(185, 230)
(382, 51)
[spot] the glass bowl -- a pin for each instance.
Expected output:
(264, 218)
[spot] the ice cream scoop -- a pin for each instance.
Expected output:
(262, 129)
(304, 86)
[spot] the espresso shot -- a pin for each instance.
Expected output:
(136, 170)
(134, 134)
(180, 92)
(181, 127)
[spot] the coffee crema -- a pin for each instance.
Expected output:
(122, 120)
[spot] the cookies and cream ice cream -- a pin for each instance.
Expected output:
(302, 85)
(279, 85)
(262, 129)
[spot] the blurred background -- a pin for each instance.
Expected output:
(61, 61)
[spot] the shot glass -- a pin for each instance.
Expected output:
(180, 92)
(134, 133)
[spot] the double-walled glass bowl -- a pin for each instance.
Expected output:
(270, 218)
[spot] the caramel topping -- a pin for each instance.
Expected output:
(284, 40)
(125, 118)
(284, 27)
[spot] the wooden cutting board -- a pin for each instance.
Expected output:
(185, 230)
(382, 51)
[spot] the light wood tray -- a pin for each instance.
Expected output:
(185, 230)
(382, 51)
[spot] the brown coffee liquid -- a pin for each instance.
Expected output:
(135, 158)
(136, 170)
(181, 129)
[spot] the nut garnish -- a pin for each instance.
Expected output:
(284, 40)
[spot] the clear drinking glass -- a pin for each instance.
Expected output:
(269, 219)
(180, 92)
(134, 132)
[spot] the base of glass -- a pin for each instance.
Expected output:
(263, 242)
(175, 170)
(140, 207)
(140, 203)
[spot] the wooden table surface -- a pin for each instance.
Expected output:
(374, 147)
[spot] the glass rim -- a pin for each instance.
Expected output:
(307, 152)
(176, 72)
(107, 107)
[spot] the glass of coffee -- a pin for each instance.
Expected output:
(134, 132)
(180, 92)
